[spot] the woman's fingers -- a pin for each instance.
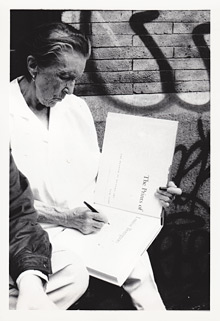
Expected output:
(174, 190)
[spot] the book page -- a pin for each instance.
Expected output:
(136, 158)
(113, 250)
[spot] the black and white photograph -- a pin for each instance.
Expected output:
(109, 160)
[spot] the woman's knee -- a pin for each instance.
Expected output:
(73, 282)
(78, 276)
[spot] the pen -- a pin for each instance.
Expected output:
(163, 189)
(92, 209)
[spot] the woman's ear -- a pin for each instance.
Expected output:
(32, 66)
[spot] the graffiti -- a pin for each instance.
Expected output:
(198, 37)
(137, 23)
(180, 253)
(202, 148)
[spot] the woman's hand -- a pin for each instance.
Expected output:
(32, 295)
(84, 220)
(167, 196)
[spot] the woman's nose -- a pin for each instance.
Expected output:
(69, 87)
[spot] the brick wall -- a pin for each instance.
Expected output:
(144, 52)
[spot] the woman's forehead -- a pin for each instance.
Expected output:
(69, 56)
(69, 62)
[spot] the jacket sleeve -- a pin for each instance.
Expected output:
(29, 246)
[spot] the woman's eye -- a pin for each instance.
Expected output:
(64, 78)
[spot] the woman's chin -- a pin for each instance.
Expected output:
(52, 103)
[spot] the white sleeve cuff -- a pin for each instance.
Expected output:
(33, 272)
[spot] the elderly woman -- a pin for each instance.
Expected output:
(54, 144)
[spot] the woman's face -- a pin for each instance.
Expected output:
(54, 82)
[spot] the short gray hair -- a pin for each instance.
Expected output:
(47, 42)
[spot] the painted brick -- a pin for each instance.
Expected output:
(110, 15)
(148, 88)
(192, 86)
(190, 64)
(145, 64)
(127, 53)
(111, 40)
(120, 57)
(191, 75)
(151, 64)
(191, 52)
(184, 15)
(180, 87)
(109, 65)
(159, 28)
(103, 89)
(121, 28)
(184, 27)
(124, 28)
(121, 77)
(72, 16)
(180, 40)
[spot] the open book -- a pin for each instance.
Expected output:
(136, 158)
